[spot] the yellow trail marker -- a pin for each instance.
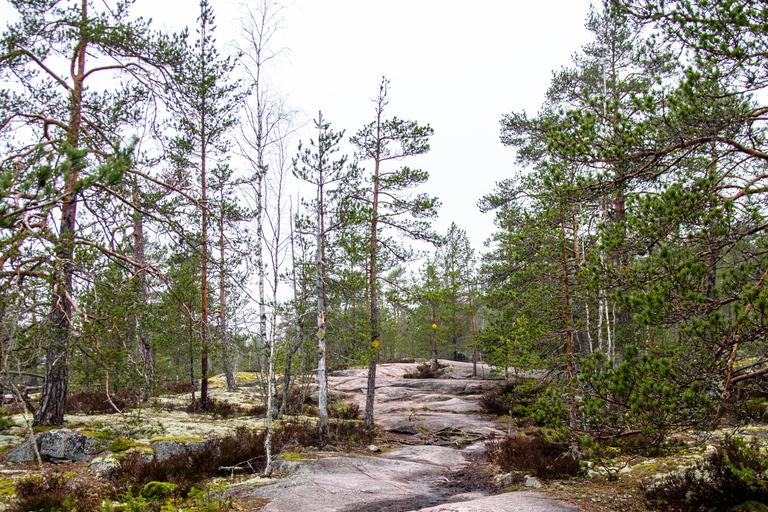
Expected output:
(375, 343)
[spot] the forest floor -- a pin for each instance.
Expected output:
(430, 453)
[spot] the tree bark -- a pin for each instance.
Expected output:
(54, 393)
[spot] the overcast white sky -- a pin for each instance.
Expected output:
(455, 65)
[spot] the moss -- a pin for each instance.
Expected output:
(7, 486)
(37, 430)
(294, 456)
(181, 439)
(121, 444)
(157, 491)
(749, 506)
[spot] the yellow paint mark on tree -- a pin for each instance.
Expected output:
(375, 343)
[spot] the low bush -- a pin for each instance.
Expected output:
(519, 393)
(430, 370)
(53, 493)
(297, 398)
(243, 452)
(175, 388)
(532, 455)
(732, 475)
(219, 409)
(344, 411)
(95, 402)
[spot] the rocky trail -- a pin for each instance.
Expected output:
(435, 430)
(430, 456)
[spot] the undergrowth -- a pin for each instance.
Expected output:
(53, 493)
(731, 476)
(242, 453)
(429, 370)
(95, 402)
(519, 393)
(533, 455)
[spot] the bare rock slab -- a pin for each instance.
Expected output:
(526, 501)
(344, 483)
(447, 458)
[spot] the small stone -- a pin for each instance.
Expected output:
(506, 480)
(373, 448)
(531, 481)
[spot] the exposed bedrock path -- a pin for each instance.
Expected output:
(439, 422)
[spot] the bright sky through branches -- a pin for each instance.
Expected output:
(457, 66)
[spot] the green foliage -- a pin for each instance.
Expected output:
(730, 476)
(158, 491)
(6, 420)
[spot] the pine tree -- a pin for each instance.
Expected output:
(387, 205)
(318, 168)
(72, 144)
(207, 100)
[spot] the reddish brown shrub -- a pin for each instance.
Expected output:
(533, 455)
(244, 450)
(175, 388)
(52, 493)
(429, 370)
(95, 402)
(345, 412)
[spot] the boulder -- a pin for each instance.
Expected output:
(22, 453)
(166, 448)
(59, 445)
(404, 427)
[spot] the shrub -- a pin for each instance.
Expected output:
(344, 411)
(6, 419)
(520, 393)
(52, 493)
(218, 457)
(728, 477)
(95, 402)
(651, 394)
(296, 400)
(430, 370)
(219, 409)
(175, 388)
(533, 455)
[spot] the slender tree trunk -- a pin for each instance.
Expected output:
(321, 326)
(146, 354)
(472, 320)
(260, 270)
(227, 352)
(54, 393)
(434, 337)
(372, 350)
(573, 413)
(204, 334)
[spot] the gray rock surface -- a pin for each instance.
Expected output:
(527, 501)
(408, 478)
(22, 453)
(61, 445)
(346, 483)
(169, 447)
